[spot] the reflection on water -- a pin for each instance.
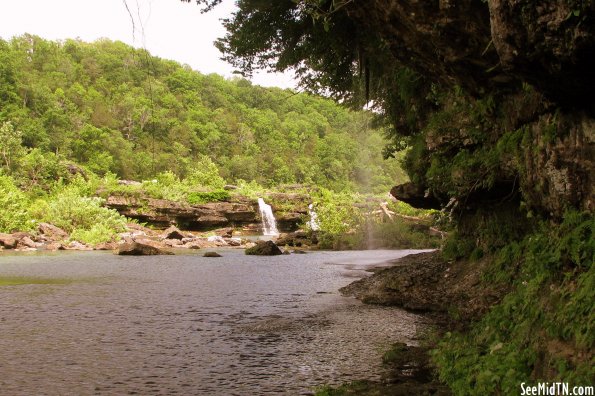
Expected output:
(236, 325)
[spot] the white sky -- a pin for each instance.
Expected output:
(169, 29)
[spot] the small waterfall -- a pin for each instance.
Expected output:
(269, 225)
(313, 223)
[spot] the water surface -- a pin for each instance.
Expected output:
(184, 324)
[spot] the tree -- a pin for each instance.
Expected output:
(11, 149)
(100, 105)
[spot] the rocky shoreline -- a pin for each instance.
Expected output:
(236, 212)
(449, 293)
(426, 283)
(48, 237)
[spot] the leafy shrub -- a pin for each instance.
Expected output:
(204, 173)
(166, 186)
(337, 219)
(109, 185)
(39, 171)
(250, 189)
(11, 149)
(347, 221)
(13, 207)
(80, 215)
(98, 233)
(397, 234)
(195, 198)
(403, 208)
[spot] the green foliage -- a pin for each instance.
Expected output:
(13, 207)
(348, 221)
(404, 208)
(195, 198)
(115, 109)
(98, 233)
(204, 173)
(336, 216)
(250, 189)
(397, 234)
(457, 247)
(39, 171)
(352, 388)
(548, 312)
(11, 149)
(194, 189)
(166, 186)
(82, 216)
(394, 354)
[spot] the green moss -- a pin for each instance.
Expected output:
(15, 281)
(352, 388)
(394, 354)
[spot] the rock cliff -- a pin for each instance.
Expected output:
(504, 66)
(240, 212)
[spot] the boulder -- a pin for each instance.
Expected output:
(134, 227)
(211, 254)
(217, 240)
(75, 245)
(297, 238)
(234, 241)
(173, 233)
(53, 246)
(140, 249)
(51, 233)
(28, 242)
(224, 232)
(198, 243)
(106, 246)
(8, 241)
(415, 196)
(150, 242)
(264, 248)
(173, 242)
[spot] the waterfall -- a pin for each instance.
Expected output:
(313, 223)
(269, 225)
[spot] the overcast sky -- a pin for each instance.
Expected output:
(167, 28)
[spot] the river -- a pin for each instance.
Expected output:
(184, 324)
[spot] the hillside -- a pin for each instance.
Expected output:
(112, 108)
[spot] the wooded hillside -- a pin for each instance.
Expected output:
(113, 108)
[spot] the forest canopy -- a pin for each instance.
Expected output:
(112, 108)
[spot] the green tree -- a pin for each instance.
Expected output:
(204, 173)
(13, 207)
(11, 149)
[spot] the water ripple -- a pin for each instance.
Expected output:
(186, 325)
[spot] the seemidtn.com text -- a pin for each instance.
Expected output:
(556, 389)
